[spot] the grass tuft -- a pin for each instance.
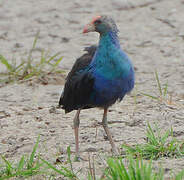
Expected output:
(30, 67)
(26, 167)
(158, 145)
(64, 171)
(162, 94)
(180, 175)
(133, 170)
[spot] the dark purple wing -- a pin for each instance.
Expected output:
(78, 85)
(82, 61)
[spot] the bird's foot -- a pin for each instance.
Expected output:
(78, 158)
(115, 152)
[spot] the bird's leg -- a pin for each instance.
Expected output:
(105, 126)
(76, 123)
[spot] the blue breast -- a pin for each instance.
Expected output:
(113, 72)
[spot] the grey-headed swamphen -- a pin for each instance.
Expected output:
(100, 77)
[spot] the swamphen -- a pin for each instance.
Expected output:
(98, 78)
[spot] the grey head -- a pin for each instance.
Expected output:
(101, 24)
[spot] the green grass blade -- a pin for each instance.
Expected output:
(164, 138)
(28, 76)
(21, 164)
(152, 139)
(117, 169)
(69, 158)
(29, 61)
(31, 159)
(19, 66)
(158, 83)
(35, 40)
(5, 62)
(53, 168)
(9, 167)
(53, 57)
(42, 59)
(56, 64)
(180, 175)
(150, 96)
(166, 89)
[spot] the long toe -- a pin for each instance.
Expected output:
(115, 152)
(78, 159)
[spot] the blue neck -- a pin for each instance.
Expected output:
(109, 60)
(109, 39)
(108, 45)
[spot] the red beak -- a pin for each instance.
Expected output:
(89, 28)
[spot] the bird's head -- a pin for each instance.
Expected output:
(101, 24)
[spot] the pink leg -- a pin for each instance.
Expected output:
(105, 126)
(76, 123)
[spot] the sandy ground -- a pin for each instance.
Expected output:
(152, 34)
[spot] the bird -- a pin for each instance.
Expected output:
(99, 78)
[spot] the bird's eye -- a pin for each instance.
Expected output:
(98, 21)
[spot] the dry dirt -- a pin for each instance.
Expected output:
(152, 34)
